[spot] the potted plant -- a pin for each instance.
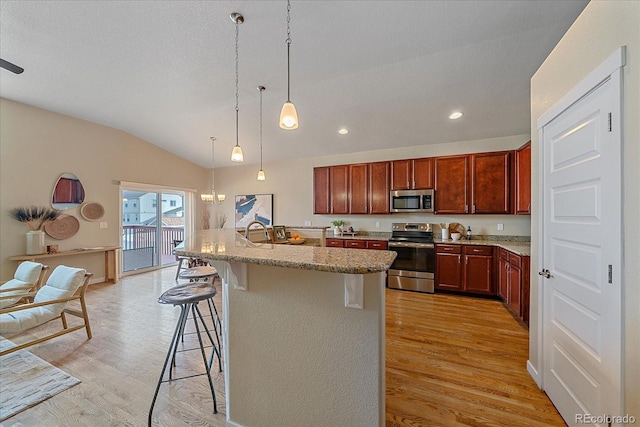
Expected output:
(35, 217)
(337, 226)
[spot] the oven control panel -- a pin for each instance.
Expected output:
(411, 226)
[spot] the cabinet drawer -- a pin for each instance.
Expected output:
(478, 250)
(377, 244)
(503, 254)
(335, 243)
(450, 249)
(360, 244)
(515, 260)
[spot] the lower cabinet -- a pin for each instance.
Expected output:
(357, 244)
(465, 268)
(513, 283)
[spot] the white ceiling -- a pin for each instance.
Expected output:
(389, 71)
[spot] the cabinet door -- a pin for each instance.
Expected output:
(515, 289)
(503, 280)
(379, 175)
(423, 173)
(490, 178)
(523, 179)
(358, 189)
(377, 244)
(334, 243)
(452, 185)
(477, 274)
(401, 175)
(321, 202)
(449, 271)
(339, 189)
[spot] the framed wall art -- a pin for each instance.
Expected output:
(253, 207)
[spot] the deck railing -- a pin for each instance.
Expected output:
(144, 236)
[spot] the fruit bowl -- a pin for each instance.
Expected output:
(297, 241)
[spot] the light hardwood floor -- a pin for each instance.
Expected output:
(450, 361)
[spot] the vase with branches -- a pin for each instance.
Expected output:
(34, 216)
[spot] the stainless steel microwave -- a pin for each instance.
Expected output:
(411, 201)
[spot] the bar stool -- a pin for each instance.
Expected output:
(188, 296)
(206, 273)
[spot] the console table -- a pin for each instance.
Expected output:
(110, 259)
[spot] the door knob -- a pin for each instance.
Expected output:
(546, 273)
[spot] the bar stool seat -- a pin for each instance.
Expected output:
(187, 296)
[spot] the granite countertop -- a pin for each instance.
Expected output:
(517, 247)
(227, 245)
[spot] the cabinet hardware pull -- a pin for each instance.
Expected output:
(466, 208)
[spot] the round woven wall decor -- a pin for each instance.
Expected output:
(63, 227)
(92, 211)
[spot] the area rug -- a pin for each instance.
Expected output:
(26, 380)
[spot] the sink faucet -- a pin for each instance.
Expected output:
(261, 224)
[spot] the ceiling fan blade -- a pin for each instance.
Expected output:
(11, 67)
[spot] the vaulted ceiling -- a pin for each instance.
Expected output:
(390, 72)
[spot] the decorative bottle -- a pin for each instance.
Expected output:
(469, 233)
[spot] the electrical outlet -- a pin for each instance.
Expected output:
(500, 227)
(103, 225)
(307, 223)
(377, 224)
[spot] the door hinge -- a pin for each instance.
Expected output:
(610, 273)
(609, 122)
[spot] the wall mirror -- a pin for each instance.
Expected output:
(68, 192)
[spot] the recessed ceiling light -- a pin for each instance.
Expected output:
(343, 131)
(455, 115)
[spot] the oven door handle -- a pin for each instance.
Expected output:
(410, 245)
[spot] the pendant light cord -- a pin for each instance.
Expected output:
(237, 66)
(261, 89)
(288, 41)
(213, 166)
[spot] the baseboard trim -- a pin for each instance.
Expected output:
(534, 374)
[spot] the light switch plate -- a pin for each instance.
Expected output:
(500, 227)
(103, 225)
(307, 223)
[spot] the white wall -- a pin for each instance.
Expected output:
(291, 183)
(602, 28)
(36, 146)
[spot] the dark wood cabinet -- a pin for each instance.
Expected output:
(334, 243)
(321, 190)
(490, 183)
(475, 183)
(513, 283)
(523, 180)
(358, 189)
(339, 189)
(412, 174)
(357, 244)
(381, 245)
(465, 268)
(452, 184)
(378, 192)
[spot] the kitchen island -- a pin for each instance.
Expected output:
(303, 330)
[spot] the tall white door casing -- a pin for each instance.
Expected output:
(582, 241)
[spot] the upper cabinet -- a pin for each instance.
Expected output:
(412, 174)
(361, 188)
(523, 179)
(474, 183)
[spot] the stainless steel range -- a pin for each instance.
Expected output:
(414, 267)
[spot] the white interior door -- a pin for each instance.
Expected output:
(581, 259)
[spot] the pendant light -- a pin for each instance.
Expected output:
(214, 198)
(236, 154)
(288, 114)
(261, 175)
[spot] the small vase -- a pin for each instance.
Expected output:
(35, 243)
(337, 231)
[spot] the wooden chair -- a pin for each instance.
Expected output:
(27, 279)
(65, 284)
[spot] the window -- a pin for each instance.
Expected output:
(154, 204)
(172, 203)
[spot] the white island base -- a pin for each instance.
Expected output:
(295, 354)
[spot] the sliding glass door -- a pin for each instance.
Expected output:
(153, 221)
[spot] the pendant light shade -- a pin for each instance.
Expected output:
(261, 175)
(288, 114)
(236, 154)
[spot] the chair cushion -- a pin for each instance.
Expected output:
(18, 321)
(13, 283)
(28, 272)
(62, 283)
